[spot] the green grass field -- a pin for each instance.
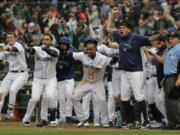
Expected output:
(9, 128)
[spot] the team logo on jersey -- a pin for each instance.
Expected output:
(44, 59)
(11, 54)
(90, 67)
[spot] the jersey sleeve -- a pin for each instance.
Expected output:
(2, 56)
(19, 47)
(38, 50)
(143, 40)
(78, 56)
(116, 35)
(56, 50)
(100, 48)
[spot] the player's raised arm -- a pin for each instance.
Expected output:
(110, 25)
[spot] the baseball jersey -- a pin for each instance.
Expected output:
(129, 47)
(93, 68)
(65, 66)
(16, 60)
(45, 65)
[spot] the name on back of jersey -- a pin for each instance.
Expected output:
(90, 67)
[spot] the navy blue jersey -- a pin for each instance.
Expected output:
(129, 51)
(65, 66)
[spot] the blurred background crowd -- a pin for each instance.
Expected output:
(78, 18)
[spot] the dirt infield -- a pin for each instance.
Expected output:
(74, 128)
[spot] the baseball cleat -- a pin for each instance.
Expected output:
(9, 115)
(105, 126)
(81, 123)
(137, 124)
(86, 124)
(26, 123)
(145, 125)
(96, 125)
(54, 123)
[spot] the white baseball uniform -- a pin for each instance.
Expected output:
(111, 104)
(114, 85)
(44, 83)
(65, 89)
(17, 75)
(150, 86)
(86, 108)
(92, 82)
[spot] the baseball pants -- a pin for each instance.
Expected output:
(116, 81)
(111, 102)
(131, 82)
(48, 89)
(11, 84)
(86, 107)
(82, 89)
(151, 89)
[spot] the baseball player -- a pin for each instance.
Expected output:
(112, 83)
(17, 76)
(130, 63)
(158, 108)
(44, 81)
(94, 65)
(111, 104)
(65, 77)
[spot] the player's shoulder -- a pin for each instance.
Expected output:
(17, 44)
(54, 48)
(37, 47)
(80, 53)
(101, 56)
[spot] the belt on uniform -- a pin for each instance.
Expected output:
(117, 68)
(17, 71)
(173, 75)
(153, 75)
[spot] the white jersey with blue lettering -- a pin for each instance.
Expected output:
(16, 60)
(93, 68)
(45, 65)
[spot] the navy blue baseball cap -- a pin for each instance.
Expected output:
(64, 40)
(171, 31)
(89, 38)
(126, 24)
